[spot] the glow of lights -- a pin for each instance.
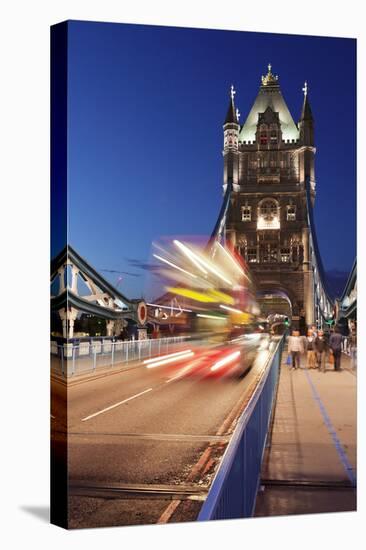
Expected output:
(231, 309)
(226, 360)
(221, 297)
(181, 373)
(170, 307)
(234, 262)
(175, 266)
(197, 260)
(210, 316)
(165, 359)
(190, 255)
(268, 224)
(165, 356)
(215, 271)
(187, 293)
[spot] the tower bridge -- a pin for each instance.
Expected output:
(269, 193)
(266, 216)
(196, 450)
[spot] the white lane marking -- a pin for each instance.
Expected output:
(115, 405)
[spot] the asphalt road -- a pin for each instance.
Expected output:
(139, 434)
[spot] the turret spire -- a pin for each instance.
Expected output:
(305, 88)
(232, 92)
(231, 116)
(306, 113)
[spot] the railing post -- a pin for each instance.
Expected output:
(113, 353)
(235, 486)
(73, 359)
(94, 356)
(127, 346)
(62, 361)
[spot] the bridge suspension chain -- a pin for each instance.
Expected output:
(322, 300)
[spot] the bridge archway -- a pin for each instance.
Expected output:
(276, 299)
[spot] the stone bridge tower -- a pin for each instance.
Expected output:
(268, 160)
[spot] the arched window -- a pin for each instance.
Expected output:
(263, 134)
(273, 133)
(269, 209)
(268, 215)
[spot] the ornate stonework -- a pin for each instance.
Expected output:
(267, 219)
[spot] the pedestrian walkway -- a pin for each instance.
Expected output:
(310, 462)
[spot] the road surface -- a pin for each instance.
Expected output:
(142, 446)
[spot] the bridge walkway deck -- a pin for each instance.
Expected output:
(310, 461)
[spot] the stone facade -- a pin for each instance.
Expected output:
(268, 160)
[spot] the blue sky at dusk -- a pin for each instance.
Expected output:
(146, 108)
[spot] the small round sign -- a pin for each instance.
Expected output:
(142, 313)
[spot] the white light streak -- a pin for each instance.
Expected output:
(181, 373)
(183, 355)
(147, 361)
(214, 271)
(234, 262)
(231, 309)
(190, 255)
(170, 307)
(174, 265)
(211, 316)
(226, 360)
(199, 262)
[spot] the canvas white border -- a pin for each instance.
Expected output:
(25, 265)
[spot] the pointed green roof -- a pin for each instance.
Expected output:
(269, 95)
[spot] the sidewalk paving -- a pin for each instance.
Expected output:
(310, 464)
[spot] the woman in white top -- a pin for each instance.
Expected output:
(295, 346)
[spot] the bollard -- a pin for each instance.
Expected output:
(113, 353)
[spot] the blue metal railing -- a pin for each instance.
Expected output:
(234, 489)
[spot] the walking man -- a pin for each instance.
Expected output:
(335, 344)
(320, 346)
(295, 347)
(310, 339)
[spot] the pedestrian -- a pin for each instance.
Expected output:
(309, 343)
(314, 331)
(296, 348)
(320, 346)
(335, 345)
(353, 346)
